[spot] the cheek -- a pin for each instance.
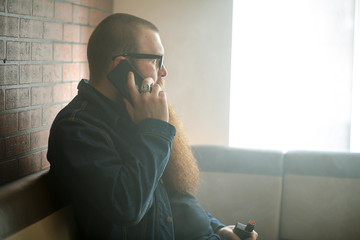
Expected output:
(148, 71)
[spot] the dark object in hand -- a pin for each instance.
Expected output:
(244, 231)
(119, 78)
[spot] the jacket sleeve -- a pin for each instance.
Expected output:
(215, 223)
(119, 186)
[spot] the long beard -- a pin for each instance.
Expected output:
(181, 173)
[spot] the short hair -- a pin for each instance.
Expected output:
(116, 34)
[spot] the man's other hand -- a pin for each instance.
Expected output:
(226, 233)
(147, 104)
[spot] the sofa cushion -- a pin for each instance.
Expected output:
(321, 195)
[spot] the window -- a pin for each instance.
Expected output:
(293, 85)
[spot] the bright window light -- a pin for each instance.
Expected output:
(292, 74)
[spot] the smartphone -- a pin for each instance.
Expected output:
(119, 78)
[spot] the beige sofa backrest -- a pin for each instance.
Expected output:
(238, 185)
(321, 196)
(296, 195)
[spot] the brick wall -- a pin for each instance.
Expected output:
(42, 59)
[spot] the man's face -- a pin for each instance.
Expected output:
(150, 43)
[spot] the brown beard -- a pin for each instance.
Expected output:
(181, 173)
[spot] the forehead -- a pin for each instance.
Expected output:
(149, 42)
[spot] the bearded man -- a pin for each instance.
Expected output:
(127, 174)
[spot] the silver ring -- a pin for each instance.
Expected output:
(145, 88)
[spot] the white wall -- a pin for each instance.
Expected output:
(196, 35)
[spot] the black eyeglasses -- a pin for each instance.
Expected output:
(143, 56)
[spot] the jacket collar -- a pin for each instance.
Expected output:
(113, 111)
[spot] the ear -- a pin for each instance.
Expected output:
(116, 61)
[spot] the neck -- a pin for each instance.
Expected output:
(104, 87)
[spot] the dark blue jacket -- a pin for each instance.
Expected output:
(112, 170)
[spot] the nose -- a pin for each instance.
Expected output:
(163, 71)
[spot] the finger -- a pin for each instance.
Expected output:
(148, 81)
(162, 94)
(145, 88)
(156, 89)
(132, 87)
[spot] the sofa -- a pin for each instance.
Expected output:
(292, 195)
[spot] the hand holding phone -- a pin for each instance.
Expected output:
(147, 104)
(139, 107)
(119, 78)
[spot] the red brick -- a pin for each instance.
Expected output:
(2, 5)
(17, 144)
(85, 33)
(37, 162)
(29, 119)
(71, 33)
(53, 31)
(8, 122)
(31, 28)
(80, 14)
(104, 4)
(29, 164)
(8, 74)
(62, 52)
(18, 51)
(63, 11)
(49, 114)
(2, 148)
(52, 73)
(79, 53)
(43, 8)
(96, 17)
(8, 171)
(44, 162)
(2, 99)
(16, 98)
(89, 3)
(71, 72)
(41, 95)
(30, 73)
(41, 51)
(9, 26)
(20, 6)
(75, 1)
(62, 92)
(39, 139)
(84, 71)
